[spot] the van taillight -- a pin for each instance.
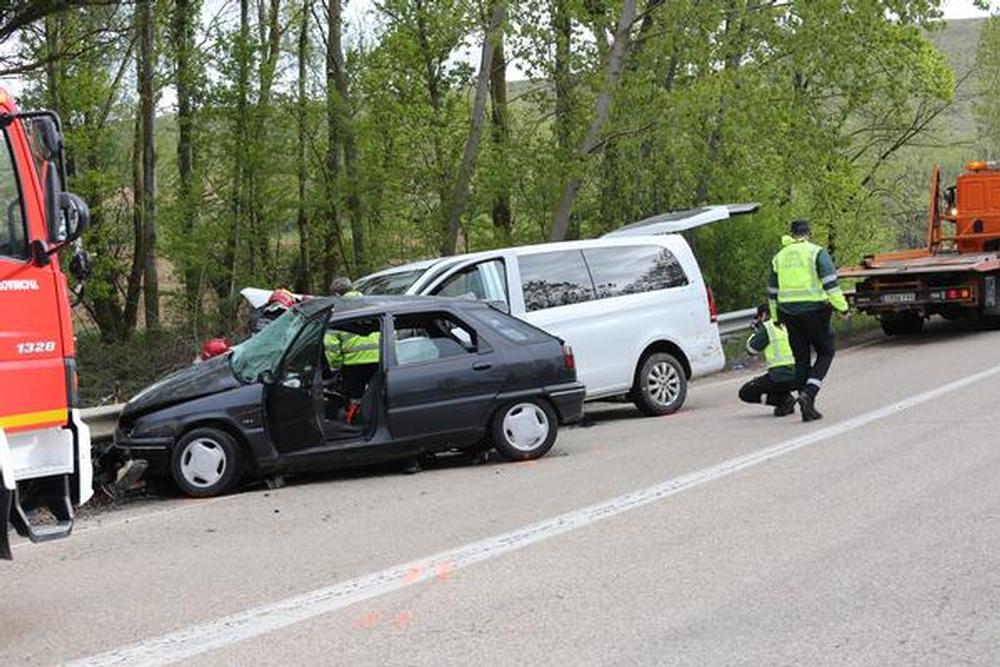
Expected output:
(713, 312)
(569, 361)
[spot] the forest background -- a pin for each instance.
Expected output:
(230, 143)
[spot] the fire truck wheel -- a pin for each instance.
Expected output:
(206, 462)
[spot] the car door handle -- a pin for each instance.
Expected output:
(482, 366)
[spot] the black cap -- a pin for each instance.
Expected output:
(800, 227)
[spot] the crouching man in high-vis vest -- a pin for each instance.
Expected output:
(802, 293)
(776, 385)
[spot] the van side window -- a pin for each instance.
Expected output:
(633, 269)
(13, 235)
(552, 279)
(485, 281)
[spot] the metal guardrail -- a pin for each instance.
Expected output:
(103, 420)
(736, 321)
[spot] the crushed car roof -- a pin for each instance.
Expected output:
(340, 304)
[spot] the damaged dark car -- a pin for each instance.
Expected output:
(348, 382)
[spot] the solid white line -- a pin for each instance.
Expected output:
(221, 632)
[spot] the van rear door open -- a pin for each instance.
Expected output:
(673, 222)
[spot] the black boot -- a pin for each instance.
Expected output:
(807, 407)
(785, 408)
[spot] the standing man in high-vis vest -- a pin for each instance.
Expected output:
(775, 386)
(802, 293)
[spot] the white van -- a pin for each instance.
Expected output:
(633, 306)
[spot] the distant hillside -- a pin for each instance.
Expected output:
(958, 40)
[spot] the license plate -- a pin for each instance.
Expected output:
(905, 297)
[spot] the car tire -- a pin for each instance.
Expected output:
(524, 430)
(206, 462)
(660, 385)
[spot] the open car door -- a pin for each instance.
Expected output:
(673, 222)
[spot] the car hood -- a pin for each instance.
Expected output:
(209, 377)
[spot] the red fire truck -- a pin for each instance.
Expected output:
(44, 445)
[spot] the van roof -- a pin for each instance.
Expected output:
(549, 246)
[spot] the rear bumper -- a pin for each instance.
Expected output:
(928, 299)
(568, 401)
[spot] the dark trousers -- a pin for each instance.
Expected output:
(809, 332)
(762, 389)
(356, 379)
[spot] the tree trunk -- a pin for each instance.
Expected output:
(183, 38)
(733, 45)
(563, 25)
(147, 106)
(134, 288)
(503, 221)
(460, 194)
(305, 255)
(346, 133)
(616, 57)
(334, 140)
(227, 286)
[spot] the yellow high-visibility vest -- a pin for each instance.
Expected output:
(778, 351)
(795, 266)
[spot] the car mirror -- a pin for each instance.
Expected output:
(54, 215)
(266, 377)
(75, 215)
(50, 141)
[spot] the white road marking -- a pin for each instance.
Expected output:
(212, 635)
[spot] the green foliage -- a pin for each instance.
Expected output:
(814, 108)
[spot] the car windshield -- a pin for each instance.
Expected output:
(263, 351)
(389, 283)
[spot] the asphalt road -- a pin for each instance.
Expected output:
(718, 536)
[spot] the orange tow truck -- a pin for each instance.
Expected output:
(956, 275)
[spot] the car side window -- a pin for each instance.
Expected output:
(485, 281)
(625, 270)
(301, 361)
(552, 279)
(425, 337)
(13, 232)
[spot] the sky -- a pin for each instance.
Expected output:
(953, 9)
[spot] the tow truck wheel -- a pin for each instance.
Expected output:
(901, 324)
(206, 462)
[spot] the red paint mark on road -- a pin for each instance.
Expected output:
(412, 575)
(402, 619)
(366, 621)
(444, 570)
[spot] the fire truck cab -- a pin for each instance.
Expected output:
(44, 446)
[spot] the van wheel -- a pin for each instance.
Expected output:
(206, 462)
(525, 430)
(660, 385)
